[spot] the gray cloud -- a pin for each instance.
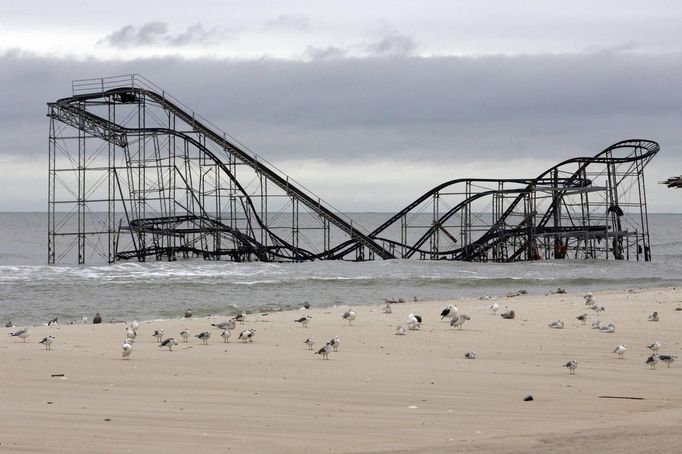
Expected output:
(327, 53)
(447, 111)
(392, 44)
(296, 22)
(156, 33)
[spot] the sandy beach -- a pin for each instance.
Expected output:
(379, 393)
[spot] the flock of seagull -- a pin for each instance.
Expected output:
(413, 322)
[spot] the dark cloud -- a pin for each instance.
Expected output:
(296, 22)
(327, 53)
(156, 33)
(392, 44)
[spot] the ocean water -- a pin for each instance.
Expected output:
(32, 292)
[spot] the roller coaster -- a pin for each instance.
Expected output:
(134, 174)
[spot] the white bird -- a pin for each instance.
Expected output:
(556, 324)
(597, 308)
(170, 342)
(303, 320)
(400, 330)
(309, 342)
(129, 341)
(652, 361)
(325, 351)
(230, 324)
(158, 334)
(494, 308)
(668, 359)
(130, 333)
(654, 346)
(470, 355)
(184, 334)
(240, 318)
(596, 324)
(135, 325)
(349, 315)
(583, 318)
(610, 328)
(572, 366)
(22, 333)
(188, 313)
(47, 341)
(247, 335)
(449, 311)
(335, 343)
(126, 350)
(387, 309)
(414, 322)
(458, 320)
(653, 317)
(620, 350)
(204, 337)
(589, 299)
(226, 335)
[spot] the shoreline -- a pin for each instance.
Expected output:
(275, 395)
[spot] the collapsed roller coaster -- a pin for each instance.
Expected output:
(135, 174)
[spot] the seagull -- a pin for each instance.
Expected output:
(54, 321)
(414, 322)
(188, 313)
(158, 334)
(387, 309)
(620, 350)
(135, 325)
(583, 318)
(449, 311)
(97, 319)
(170, 342)
(184, 334)
(509, 315)
(400, 330)
(494, 308)
(458, 320)
(130, 333)
(309, 342)
(204, 337)
(589, 299)
(306, 305)
(22, 333)
(556, 324)
(325, 351)
(596, 324)
(597, 308)
(610, 328)
(653, 317)
(652, 360)
(230, 324)
(572, 365)
(9, 324)
(654, 346)
(47, 341)
(349, 315)
(247, 335)
(335, 343)
(226, 335)
(127, 349)
(668, 359)
(470, 355)
(240, 317)
(303, 320)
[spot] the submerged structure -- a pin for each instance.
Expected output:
(135, 174)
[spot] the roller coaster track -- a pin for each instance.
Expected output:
(179, 203)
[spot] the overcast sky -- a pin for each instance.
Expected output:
(369, 104)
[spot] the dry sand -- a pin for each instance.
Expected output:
(378, 393)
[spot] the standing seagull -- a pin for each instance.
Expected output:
(226, 335)
(325, 351)
(458, 320)
(135, 325)
(414, 322)
(589, 299)
(22, 333)
(620, 350)
(126, 350)
(130, 333)
(158, 334)
(583, 318)
(654, 346)
(247, 335)
(304, 320)
(335, 343)
(240, 318)
(494, 308)
(184, 334)
(47, 341)
(597, 308)
(349, 315)
(572, 366)
(449, 311)
(204, 337)
(652, 360)
(230, 324)
(653, 317)
(170, 342)
(668, 359)
(309, 342)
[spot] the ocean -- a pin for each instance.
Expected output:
(32, 292)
